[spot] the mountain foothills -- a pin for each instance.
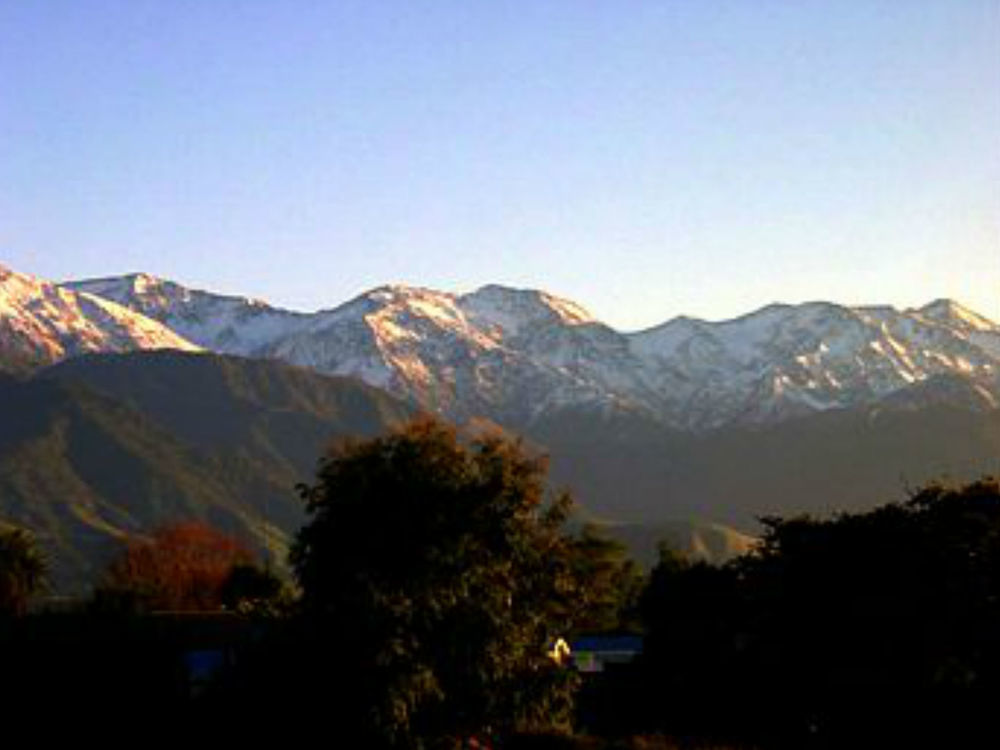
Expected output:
(102, 447)
(686, 431)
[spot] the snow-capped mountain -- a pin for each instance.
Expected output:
(226, 324)
(515, 355)
(509, 354)
(41, 323)
(795, 359)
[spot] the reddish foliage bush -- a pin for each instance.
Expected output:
(182, 566)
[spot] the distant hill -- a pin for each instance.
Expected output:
(251, 409)
(697, 540)
(633, 469)
(110, 445)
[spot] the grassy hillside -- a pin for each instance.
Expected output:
(99, 448)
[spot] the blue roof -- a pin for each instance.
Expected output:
(632, 643)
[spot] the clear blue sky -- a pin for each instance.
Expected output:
(644, 158)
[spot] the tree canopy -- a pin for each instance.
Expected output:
(441, 568)
(886, 620)
(181, 566)
(23, 570)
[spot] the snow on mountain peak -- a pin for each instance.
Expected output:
(229, 324)
(512, 310)
(949, 312)
(143, 282)
(41, 323)
(514, 353)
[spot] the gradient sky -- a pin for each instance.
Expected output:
(645, 159)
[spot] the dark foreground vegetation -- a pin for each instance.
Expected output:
(435, 576)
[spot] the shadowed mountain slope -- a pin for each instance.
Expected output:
(634, 469)
(108, 446)
(103, 446)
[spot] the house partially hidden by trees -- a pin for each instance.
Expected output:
(595, 653)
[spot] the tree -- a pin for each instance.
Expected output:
(251, 590)
(609, 601)
(438, 570)
(183, 566)
(23, 570)
(885, 621)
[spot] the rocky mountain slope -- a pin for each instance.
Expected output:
(220, 323)
(517, 355)
(41, 323)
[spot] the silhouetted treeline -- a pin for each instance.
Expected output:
(865, 628)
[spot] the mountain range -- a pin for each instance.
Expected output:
(132, 401)
(42, 323)
(516, 355)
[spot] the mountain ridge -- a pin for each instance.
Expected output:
(41, 323)
(517, 354)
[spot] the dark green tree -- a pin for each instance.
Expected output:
(880, 627)
(438, 573)
(252, 590)
(612, 583)
(23, 570)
